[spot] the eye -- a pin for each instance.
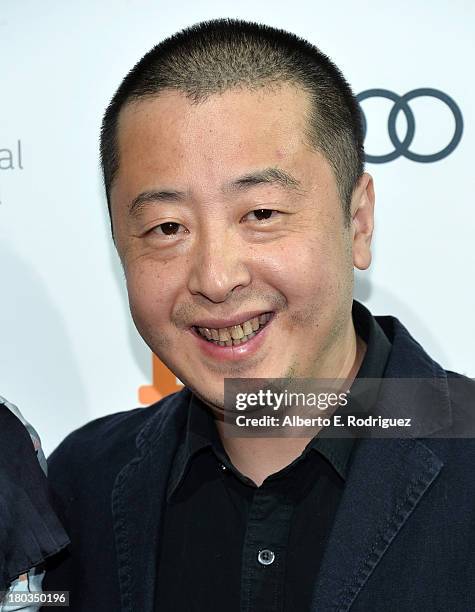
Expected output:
(262, 214)
(170, 228)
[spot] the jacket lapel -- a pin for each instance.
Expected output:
(388, 476)
(138, 501)
(387, 479)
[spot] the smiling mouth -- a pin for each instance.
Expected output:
(236, 334)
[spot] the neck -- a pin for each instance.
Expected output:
(258, 458)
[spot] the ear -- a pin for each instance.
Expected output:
(362, 221)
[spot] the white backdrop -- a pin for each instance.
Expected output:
(69, 350)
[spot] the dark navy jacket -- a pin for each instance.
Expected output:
(403, 537)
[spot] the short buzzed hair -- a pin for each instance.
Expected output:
(215, 56)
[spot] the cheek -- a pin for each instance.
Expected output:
(315, 276)
(305, 266)
(150, 298)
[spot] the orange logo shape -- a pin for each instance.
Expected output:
(164, 383)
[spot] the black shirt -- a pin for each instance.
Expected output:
(227, 544)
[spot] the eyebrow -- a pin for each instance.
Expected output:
(268, 176)
(152, 197)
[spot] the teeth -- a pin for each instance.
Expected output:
(237, 334)
(224, 335)
(247, 328)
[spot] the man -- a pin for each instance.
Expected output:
(233, 165)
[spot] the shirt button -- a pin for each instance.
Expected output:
(266, 557)
(223, 467)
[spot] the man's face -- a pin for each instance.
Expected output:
(228, 223)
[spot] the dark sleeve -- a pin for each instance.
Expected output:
(30, 531)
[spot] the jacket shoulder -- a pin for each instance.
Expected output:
(455, 443)
(462, 400)
(105, 444)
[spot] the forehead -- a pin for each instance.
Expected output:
(284, 103)
(170, 140)
(236, 118)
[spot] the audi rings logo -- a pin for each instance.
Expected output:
(401, 104)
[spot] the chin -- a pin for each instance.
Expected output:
(211, 397)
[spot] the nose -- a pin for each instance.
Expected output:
(218, 267)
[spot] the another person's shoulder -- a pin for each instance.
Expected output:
(19, 441)
(30, 532)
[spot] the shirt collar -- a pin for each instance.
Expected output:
(201, 431)
(378, 344)
(378, 347)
